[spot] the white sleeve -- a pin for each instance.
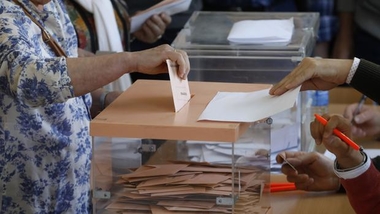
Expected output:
(353, 172)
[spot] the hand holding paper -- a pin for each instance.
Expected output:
(170, 7)
(247, 107)
(180, 87)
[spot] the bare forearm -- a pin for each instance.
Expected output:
(90, 73)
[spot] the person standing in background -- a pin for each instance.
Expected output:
(104, 26)
(178, 22)
(328, 24)
(325, 8)
(359, 30)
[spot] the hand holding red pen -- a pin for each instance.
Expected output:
(333, 134)
(338, 133)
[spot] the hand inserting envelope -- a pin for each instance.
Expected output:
(180, 87)
(232, 106)
(247, 106)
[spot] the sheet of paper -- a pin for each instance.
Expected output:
(170, 7)
(262, 32)
(180, 87)
(247, 106)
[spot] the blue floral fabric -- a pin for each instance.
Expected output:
(45, 147)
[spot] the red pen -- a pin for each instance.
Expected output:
(280, 187)
(339, 134)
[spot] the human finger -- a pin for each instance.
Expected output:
(288, 154)
(314, 74)
(157, 24)
(366, 113)
(322, 133)
(152, 27)
(349, 111)
(291, 80)
(336, 122)
(304, 161)
(182, 59)
(358, 132)
(332, 142)
(294, 163)
(167, 19)
(298, 179)
(316, 131)
(300, 75)
(288, 170)
(187, 62)
(305, 184)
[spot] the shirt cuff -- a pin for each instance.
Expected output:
(355, 172)
(353, 69)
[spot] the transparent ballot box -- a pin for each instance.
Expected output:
(214, 59)
(147, 158)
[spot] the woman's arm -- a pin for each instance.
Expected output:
(90, 73)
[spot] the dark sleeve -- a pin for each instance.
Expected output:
(367, 79)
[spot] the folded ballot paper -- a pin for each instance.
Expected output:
(262, 32)
(247, 106)
(181, 187)
(170, 7)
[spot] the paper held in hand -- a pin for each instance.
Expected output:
(170, 7)
(180, 87)
(287, 162)
(248, 106)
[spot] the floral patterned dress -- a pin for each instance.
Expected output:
(45, 147)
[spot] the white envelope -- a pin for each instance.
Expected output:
(262, 32)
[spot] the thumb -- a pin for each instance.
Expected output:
(364, 116)
(336, 146)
